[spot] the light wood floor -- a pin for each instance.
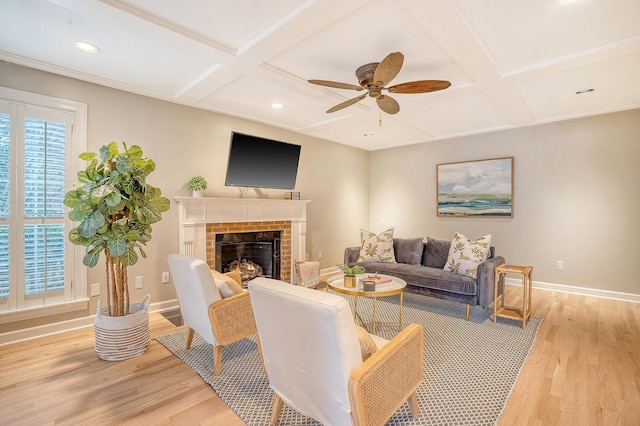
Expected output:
(584, 369)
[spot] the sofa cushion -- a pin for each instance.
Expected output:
(376, 248)
(436, 253)
(466, 254)
(427, 277)
(408, 250)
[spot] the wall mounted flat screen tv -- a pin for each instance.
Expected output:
(262, 163)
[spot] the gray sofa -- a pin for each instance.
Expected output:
(420, 263)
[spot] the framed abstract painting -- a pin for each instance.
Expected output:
(480, 188)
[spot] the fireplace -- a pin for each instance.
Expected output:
(201, 220)
(252, 254)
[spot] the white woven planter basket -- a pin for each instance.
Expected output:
(119, 338)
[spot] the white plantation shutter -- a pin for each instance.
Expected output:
(4, 205)
(44, 173)
(38, 266)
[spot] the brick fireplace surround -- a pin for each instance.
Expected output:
(200, 219)
(284, 226)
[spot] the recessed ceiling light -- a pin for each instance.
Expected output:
(276, 106)
(564, 2)
(583, 91)
(85, 47)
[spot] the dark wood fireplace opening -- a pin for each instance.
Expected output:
(250, 253)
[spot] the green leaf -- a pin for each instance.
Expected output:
(83, 177)
(97, 219)
(135, 151)
(124, 165)
(150, 215)
(119, 227)
(129, 258)
(76, 238)
(86, 229)
(71, 199)
(87, 156)
(113, 199)
(118, 246)
(91, 259)
(102, 191)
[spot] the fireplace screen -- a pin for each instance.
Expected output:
(253, 254)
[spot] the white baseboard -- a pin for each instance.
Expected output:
(585, 291)
(74, 324)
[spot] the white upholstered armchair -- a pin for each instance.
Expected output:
(313, 358)
(220, 321)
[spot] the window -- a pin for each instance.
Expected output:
(40, 140)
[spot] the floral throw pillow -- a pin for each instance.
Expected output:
(465, 254)
(376, 247)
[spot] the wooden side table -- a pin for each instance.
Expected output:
(510, 312)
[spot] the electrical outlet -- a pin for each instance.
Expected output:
(95, 289)
(319, 254)
(139, 282)
(165, 277)
(560, 265)
(306, 256)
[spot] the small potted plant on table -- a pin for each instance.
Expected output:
(350, 274)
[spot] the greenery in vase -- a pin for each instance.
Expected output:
(197, 183)
(351, 272)
(116, 208)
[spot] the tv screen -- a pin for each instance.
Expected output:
(261, 163)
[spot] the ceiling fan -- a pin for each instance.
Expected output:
(374, 77)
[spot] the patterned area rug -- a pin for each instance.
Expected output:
(470, 367)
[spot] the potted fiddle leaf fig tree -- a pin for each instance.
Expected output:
(115, 207)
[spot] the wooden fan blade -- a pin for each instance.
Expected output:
(388, 104)
(335, 84)
(421, 86)
(346, 103)
(388, 69)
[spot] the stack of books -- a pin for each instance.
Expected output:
(378, 279)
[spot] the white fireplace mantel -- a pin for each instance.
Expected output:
(195, 213)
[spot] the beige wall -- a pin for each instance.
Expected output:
(577, 197)
(184, 142)
(576, 185)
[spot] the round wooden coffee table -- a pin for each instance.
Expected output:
(395, 286)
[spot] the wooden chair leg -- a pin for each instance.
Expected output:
(261, 357)
(276, 409)
(190, 337)
(413, 405)
(217, 360)
(468, 309)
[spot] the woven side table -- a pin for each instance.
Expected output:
(500, 310)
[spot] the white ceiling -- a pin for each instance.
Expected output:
(511, 63)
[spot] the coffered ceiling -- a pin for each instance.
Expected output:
(510, 63)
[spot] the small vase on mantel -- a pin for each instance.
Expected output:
(197, 194)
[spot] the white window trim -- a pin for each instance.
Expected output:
(77, 271)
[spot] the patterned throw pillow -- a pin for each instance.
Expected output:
(465, 255)
(227, 283)
(376, 248)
